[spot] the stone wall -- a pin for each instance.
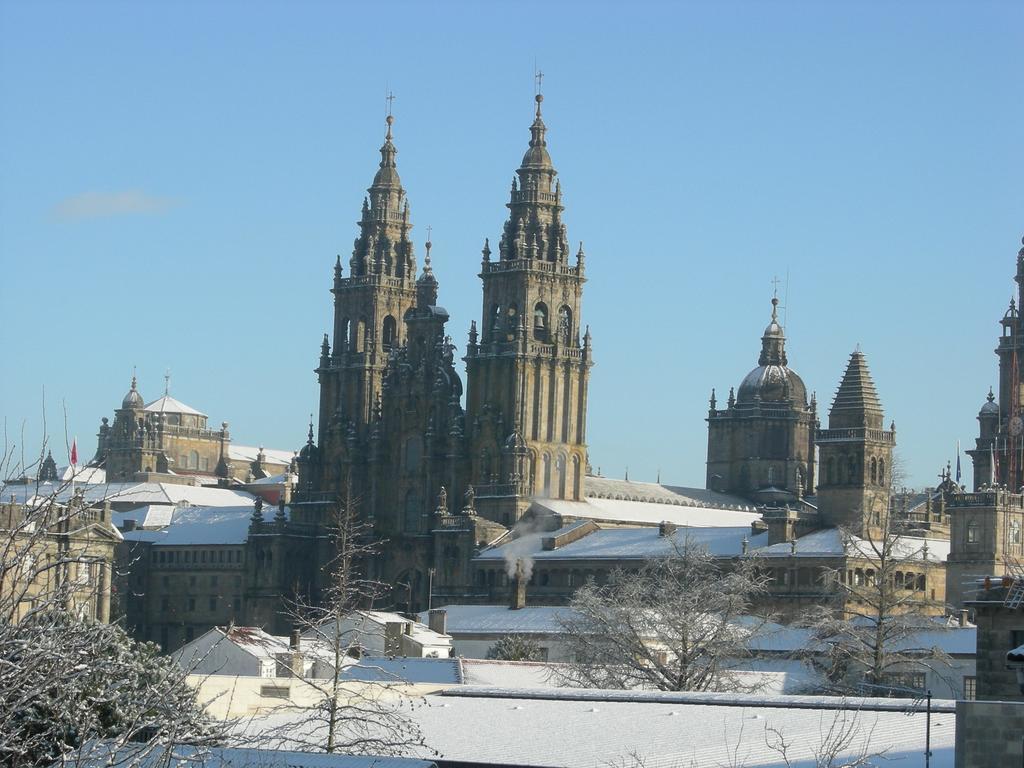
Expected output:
(989, 734)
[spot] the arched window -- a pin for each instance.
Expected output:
(547, 475)
(852, 471)
(881, 471)
(533, 472)
(193, 460)
(495, 318)
(972, 532)
(921, 583)
(389, 332)
(412, 510)
(830, 471)
(341, 337)
(540, 322)
(512, 317)
(560, 469)
(874, 469)
(577, 478)
(564, 324)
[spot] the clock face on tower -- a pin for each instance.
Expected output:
(1016, 426)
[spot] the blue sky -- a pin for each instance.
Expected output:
(178, 178)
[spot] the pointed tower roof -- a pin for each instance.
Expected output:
(383, 246)
(773, 341)
(133, 399)
(772, 381)
(387, 176)
(856, 403)
(535, 229)
(537, 156)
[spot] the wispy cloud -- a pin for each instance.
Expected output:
(95, 205)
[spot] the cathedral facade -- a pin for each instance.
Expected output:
(392, 439)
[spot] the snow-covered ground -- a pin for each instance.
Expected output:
(582, 729)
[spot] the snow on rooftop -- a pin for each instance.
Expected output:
(168, 404)
(608, 488)
(248, 453)
(510, 674)
(201, 525)
(575, 728)
(149, 516)
(129, 494)
(647, 512)
(495, 619)
(832, 541)
(631, 543)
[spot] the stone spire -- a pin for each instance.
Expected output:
(383, 246)
(773, 342)
(534, 229)
(856, 403)
(426, 285)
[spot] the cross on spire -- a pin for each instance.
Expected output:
(775, 286)
(167, 382)
(390, 98)
(538, 77)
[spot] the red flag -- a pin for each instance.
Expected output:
(74, 452)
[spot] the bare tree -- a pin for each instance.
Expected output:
(71, 686)
(516, 648)
(676, 624)
(352, 716)
(873, 644)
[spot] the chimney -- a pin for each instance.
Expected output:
(438, 621)
(665, 528)
(296, 640)
(393, 638)
(128, 525)
(962, 617)
(518, 588)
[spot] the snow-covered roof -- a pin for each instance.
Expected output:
(373, 622)
(958, 641)
(248, 453)
(576, 728)
(275, 479)
(510, 674)
(646, 512)
(500, 619)
(129, 494)
(167, 404)
(149, 516)
(629, 490)
(201, 525)
(629, 544)
(88, 475)
(831, 542)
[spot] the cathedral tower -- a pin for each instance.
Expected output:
(998, 454)
(526, 366)
(761, 445)
(369, 306)
(856, 454)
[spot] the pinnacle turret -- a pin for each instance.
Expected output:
(383, 246)
(773, 342)
(534, 229)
